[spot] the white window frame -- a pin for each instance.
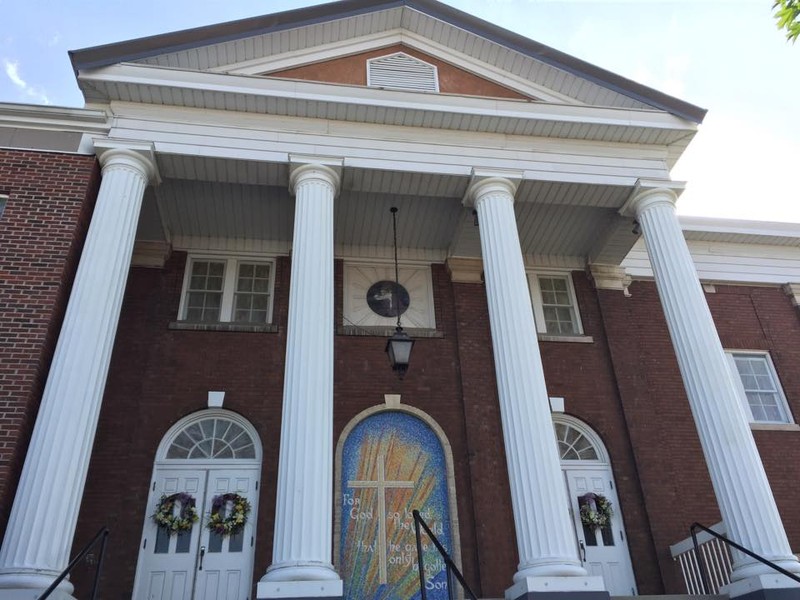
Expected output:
(783, 405)
(421, 294)
(230, 276)
(538, 305)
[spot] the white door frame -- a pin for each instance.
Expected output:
(600, 465)
(163, 464)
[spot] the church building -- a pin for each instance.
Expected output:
(285, 282)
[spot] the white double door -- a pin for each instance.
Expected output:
(604, 550)
(198, 564)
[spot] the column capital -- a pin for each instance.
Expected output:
(486, 182)
(649, 192)
(136, 155)
(303, 167)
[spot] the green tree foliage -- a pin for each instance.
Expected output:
(787, 13)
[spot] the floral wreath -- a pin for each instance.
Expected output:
(228, 522)
(170, 522)
(596, 511)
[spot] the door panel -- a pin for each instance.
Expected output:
(603, 550)
(199, 564)
(228, 560)
(167, 562)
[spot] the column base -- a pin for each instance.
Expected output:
(763, 587)
(28, 585)
(558, 588)
(29, 594)
(300, 590)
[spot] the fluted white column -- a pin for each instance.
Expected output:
(39, 535)
(303, 516)
(740, 484)
(545, 538)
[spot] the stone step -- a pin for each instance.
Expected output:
(661, 597)
(674, 597)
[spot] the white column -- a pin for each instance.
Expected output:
(545, 538)
(39, 535)
(303, 516)
(740, 484)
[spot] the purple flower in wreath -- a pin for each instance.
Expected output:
(596, 510)
(166, 518)
(228, 514)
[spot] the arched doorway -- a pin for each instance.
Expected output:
(390, 461)
(587, 471)
(204, 456)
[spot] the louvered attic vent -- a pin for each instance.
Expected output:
(400, 71)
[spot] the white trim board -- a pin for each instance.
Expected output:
(287, 89)
(728, 262)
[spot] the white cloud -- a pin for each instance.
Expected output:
(54, 40)
(30, 92)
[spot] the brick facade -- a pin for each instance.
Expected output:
(666, 449)
(625, 384)
(352, 70)
(50, 201)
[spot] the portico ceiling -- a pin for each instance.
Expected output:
(227, 205)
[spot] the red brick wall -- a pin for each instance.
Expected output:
(673, 474)
(491, 511)
(583, 375)
(352, 70)
(42, 230)
(159, 375)
(625, 385)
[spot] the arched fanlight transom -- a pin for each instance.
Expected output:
(212, 438)
(574, 445)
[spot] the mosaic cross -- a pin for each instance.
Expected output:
(381, 484)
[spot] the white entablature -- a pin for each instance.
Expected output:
(224, 117)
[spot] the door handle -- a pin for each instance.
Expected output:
(583, 551)
(202, 554)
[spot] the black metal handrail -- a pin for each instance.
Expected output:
(702, 563)
(100, 535)
(452, 569)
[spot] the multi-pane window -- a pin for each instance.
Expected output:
(572, 444)
(554, 304)
(204, 294)
(227, 289)
(252, 293)
(760, 386)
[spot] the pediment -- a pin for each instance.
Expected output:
(320, 43)
(400, 67)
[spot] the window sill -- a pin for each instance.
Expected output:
(237, 327)
(774, 427)
(381, 331)
(575, 339)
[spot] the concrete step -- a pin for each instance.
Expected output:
(661, 597)
(674, 597)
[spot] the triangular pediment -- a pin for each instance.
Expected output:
(323, 43)
(400, 67)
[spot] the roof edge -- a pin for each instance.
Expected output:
(137, 49)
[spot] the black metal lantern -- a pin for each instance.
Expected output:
(398, 347)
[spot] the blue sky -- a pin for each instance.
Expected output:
(724, 55)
